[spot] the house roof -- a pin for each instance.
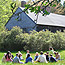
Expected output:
(10, 22)
(51, 19)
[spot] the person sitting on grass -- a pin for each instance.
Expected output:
(28, 58)
(51, 50)
(52, 59)
(36, 56)
(27, 53)
(12, 57)
(20, 57)
(41, 58)
(57, 55)
(4, 59)
(16, 59)
(8, 56)
(19, 52)
(47, 56)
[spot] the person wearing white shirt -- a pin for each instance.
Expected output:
(57, 55)
(42, 58)
(27, 53)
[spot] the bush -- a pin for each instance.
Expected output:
(15, 40)
(8, 39)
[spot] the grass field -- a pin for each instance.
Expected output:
(62, 53)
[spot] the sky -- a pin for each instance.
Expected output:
(62, 1)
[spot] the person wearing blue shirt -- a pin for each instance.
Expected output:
(36, 56)
(28, 59)
(16, 59)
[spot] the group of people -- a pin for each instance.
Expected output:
(50, 56)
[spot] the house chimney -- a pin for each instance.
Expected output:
(23, 3)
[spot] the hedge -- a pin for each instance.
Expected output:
(15, 40)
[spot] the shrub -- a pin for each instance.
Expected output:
(15, 40)
(8, 39)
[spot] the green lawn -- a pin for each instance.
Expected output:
(62, 53)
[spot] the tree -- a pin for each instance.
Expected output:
(39, 7)
(5, 11)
